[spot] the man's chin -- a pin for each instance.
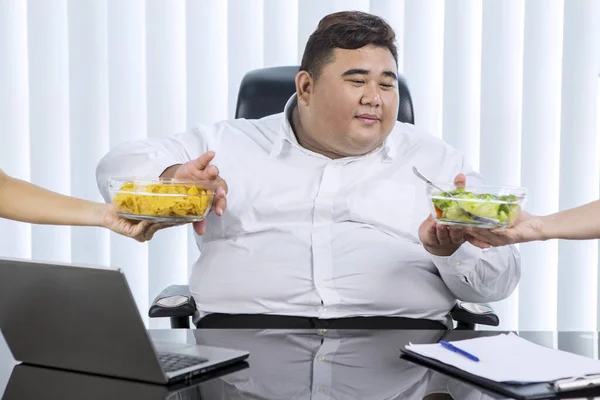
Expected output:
(361, 147)
(364, 142)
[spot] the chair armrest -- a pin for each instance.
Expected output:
(467, 315)
(173, 301)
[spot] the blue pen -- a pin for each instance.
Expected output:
(455, 349)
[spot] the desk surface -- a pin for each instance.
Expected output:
(286, 364)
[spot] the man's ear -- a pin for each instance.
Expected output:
(304, 87)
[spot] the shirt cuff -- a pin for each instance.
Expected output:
(460, 263)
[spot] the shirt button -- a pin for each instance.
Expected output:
(320, 219)
(321, 358)
(457, 264)
(320, 390)
(324, 331)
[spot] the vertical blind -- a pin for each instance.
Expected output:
(514, 84)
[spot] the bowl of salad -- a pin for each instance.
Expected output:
(482, 207)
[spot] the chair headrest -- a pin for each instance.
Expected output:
(265, 91)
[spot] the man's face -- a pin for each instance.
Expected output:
(352, 107)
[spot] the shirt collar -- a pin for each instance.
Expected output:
(286, 136)
(286, 133)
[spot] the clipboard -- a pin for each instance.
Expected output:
(577, 387)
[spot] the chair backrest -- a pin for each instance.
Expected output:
(265, 91)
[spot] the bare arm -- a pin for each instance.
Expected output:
(578, 223)
(25, 202)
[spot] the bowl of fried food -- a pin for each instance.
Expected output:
(161, 200)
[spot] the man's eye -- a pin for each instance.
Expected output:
(387, 85)
(359, 82)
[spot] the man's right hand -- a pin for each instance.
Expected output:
(201, 170)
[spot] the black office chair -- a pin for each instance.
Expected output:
(264, 92)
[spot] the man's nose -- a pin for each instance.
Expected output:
(371, 95)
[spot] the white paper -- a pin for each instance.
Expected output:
(510, 358)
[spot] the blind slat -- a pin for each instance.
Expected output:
(501, 89)
(541, 143)
(14, 116)
(88, 93)
(49, 117)
(167, 97)
(126, 22)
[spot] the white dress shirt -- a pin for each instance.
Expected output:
(306, 235)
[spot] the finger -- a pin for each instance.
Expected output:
(431, 233)
(209, 173)
(476, 242)
(491, 237)
(506, 236)
(219, 204)
(138, 228)
(460, 181)
(477, 231)
(202, 162)
(457, 235)
(199, 168)
(500, 232)
(153, 228)
(443, 235)
(200, 227)
(485, 237)
(219, 183)
(149, 233)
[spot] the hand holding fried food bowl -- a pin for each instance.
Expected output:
(184, 193)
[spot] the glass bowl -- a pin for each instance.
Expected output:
(503, 203)
(161, 200)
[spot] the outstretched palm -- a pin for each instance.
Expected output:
(526, 228)
(138, 230)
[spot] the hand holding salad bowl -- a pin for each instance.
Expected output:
(481, 215)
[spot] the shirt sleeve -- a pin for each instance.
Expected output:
(474, 274)
(150, 157)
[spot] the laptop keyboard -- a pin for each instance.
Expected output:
(173, 362)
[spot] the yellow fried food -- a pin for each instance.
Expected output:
(161, 200)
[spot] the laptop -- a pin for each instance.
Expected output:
(85, 319)
(29, 382)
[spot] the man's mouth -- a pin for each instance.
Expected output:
(369, 119)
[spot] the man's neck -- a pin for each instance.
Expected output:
(304, 140)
